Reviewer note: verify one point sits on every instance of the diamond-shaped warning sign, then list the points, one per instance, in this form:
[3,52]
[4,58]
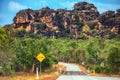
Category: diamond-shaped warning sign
[40,57]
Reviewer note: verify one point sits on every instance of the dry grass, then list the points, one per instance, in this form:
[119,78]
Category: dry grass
[91,73]
[30,77]
[51,74]
[101,74]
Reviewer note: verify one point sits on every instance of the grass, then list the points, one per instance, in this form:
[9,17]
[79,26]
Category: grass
[49,74]
[91,73]
[30,77]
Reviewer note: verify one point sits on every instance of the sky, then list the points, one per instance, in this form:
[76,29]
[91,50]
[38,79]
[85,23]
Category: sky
[9,8]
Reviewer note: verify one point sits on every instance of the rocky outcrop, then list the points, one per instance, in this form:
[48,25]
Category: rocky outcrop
[24,16]
[111,20]
[24,19]
[86,11]
[62,22]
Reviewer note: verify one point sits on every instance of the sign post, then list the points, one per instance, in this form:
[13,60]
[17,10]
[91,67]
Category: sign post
[37,77]
[40,57]
[40,68]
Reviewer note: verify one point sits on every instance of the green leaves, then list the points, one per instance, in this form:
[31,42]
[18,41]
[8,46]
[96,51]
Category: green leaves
[26,51]
[21,52]
[3,35]
[114,59]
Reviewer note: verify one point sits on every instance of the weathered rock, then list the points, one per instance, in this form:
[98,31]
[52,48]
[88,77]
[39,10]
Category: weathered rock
[111,20]
[53,23]
[104,17]
[24,16]
[87,11]
[84,6]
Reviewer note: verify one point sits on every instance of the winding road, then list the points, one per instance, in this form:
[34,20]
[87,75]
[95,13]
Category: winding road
[74,73]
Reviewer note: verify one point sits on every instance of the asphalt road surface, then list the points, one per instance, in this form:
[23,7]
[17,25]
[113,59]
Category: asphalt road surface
[74,73]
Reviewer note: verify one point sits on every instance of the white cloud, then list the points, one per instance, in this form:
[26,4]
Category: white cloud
[68,4]
[15,6]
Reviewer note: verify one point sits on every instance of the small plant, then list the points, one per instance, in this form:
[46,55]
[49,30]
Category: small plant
[1,70]
[89,67]
[98,69]
[107,70]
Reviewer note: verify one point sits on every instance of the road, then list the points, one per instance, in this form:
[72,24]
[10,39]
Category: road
[73,68]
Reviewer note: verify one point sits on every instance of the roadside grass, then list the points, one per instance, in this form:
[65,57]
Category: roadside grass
[49,74]
[91,73]
[44,76]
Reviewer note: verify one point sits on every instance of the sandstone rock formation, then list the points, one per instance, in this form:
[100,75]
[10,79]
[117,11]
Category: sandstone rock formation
[111,20]
[62,22]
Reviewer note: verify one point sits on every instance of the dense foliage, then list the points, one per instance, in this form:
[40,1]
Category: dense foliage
[18,54]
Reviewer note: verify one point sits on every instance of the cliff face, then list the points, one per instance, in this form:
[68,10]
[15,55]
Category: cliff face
[59,22]
[86,11]
[24,19]
[111,20]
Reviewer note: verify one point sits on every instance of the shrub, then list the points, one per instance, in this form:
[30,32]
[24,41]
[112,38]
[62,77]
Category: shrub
[84,36]
[7,70]
[98,69]
[106,70]
[89,67]
[90,60]
[1,70]
[114,59]
[26,51]
[6,61]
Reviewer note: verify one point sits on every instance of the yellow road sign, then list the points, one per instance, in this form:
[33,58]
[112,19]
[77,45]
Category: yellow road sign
[40,57]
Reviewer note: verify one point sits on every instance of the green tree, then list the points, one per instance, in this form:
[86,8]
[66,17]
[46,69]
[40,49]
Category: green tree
[6,54]
[93,50]
[114,59]
[21,33]
[3,35]
[6,62]
[26,51]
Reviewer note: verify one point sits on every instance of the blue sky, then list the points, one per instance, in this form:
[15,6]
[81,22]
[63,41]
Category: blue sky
[9,8]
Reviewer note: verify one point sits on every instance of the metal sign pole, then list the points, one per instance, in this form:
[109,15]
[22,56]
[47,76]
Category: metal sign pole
[40,68]
[37,77]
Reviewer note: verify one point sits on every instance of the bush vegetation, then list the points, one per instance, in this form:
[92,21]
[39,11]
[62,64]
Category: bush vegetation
[18,54]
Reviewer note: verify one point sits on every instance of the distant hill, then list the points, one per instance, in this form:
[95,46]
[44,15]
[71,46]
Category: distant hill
[83,20]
